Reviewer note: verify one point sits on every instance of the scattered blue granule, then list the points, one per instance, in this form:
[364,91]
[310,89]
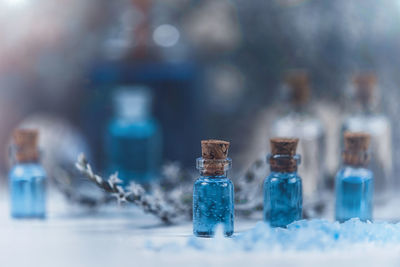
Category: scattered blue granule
[304,235]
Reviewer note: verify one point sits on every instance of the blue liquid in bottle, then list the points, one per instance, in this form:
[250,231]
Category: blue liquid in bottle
[354,191]
[282,198]
[213,203]
[134,138]
[28,191]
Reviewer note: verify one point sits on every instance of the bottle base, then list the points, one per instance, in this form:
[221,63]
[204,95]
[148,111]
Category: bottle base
[342,220]
[211,234]
[29,216]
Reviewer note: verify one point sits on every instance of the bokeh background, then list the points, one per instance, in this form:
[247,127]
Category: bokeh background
[215,67]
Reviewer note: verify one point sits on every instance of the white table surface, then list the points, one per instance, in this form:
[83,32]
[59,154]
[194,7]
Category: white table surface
[113,236]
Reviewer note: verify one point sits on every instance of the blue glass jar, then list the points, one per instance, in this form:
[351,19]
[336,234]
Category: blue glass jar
[134,137]
[354,191]
[27,178]
[213,201]
[365,115]
[28,190]
[283,199]
[354,181]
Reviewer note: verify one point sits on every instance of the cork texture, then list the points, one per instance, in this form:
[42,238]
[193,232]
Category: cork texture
[356,147]
[25,142]
[286,149]
[299,84]
[214,152]
[214,149]
[365,84]
[284,146]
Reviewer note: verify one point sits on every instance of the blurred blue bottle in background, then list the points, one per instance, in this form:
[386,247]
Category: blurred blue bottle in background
[27,178]
[354,182]
[133,143]
[283,198]
[365,117]
[213,196]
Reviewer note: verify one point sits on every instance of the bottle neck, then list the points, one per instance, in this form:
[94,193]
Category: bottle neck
[221,175]
[24,154]
[133,112]
[132,104]
[355,158]
[283,163]
[214,168]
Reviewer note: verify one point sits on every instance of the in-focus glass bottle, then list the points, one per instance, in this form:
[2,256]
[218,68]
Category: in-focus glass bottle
[354,181]
[27,178]
[299,121]
[283,200]
[213,196]
[365,117]
[133,144]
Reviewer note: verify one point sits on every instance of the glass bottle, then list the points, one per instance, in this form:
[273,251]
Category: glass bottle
[213,196]
[365,117]
[283,187]
[134,137]
[298,120]
[27,178]
[354,181]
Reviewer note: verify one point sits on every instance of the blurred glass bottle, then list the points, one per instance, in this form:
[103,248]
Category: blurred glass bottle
[365,117]
[134,137]
[354,181]
[213,196]
[299,121]
[27,177]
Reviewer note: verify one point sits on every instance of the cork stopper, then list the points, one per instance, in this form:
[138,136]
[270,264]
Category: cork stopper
[298,82]
[356,148]
[364,84]
[25,143]
[214,156]
[283,152]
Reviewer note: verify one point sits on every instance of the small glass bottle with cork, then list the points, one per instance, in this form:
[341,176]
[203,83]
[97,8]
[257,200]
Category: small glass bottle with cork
[283,200]
[354,181]
[133,143]
[27,178]
[213,196]
[298,120]
[365,116]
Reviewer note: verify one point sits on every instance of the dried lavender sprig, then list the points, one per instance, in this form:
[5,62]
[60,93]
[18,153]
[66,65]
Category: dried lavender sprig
[135,193]
[62,181]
